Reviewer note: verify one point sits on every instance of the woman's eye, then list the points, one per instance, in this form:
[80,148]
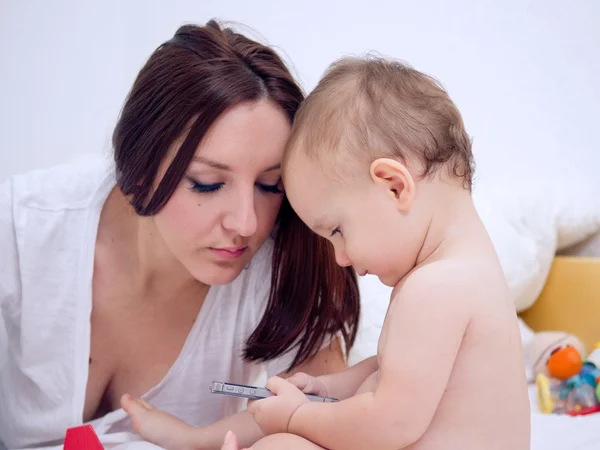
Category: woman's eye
[336,230]
[271,188]
[214,187]
[205,188]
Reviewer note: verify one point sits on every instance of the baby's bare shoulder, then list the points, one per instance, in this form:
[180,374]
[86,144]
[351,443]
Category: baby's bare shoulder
[451,279]
[445,273]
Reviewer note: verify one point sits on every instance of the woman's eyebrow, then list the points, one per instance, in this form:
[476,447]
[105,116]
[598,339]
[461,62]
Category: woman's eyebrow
[211,163]
[221,166]
[272,168]
[320,223]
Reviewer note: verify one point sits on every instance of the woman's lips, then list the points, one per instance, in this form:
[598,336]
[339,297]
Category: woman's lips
[229,253]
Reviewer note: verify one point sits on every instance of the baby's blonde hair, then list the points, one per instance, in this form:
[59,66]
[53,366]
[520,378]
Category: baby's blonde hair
[375,107]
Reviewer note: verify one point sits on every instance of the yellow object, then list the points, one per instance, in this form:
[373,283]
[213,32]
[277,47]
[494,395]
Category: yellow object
[570,300]
[543,391]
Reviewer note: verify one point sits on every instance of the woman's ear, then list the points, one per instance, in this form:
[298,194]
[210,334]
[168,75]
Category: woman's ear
[396,179]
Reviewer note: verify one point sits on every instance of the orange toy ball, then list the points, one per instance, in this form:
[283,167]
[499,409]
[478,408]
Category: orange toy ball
[565,363]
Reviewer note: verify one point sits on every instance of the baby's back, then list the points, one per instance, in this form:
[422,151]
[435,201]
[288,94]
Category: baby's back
[485,404]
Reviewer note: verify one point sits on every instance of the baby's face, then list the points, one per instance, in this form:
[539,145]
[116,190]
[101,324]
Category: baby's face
[357,216]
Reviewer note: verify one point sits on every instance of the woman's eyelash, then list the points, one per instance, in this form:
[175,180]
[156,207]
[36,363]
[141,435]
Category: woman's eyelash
[271,188]
[205,188]
[336,230]
[214,187]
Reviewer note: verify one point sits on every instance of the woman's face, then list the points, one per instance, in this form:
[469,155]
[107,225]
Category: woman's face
[228,200]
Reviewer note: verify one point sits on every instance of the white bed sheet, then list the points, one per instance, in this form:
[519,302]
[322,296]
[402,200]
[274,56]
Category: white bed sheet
[548,432]
[554,432]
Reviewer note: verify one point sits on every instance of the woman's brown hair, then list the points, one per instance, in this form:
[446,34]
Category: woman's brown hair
[192,79]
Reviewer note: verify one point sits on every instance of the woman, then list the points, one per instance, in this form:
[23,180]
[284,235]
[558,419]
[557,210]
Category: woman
[179,264]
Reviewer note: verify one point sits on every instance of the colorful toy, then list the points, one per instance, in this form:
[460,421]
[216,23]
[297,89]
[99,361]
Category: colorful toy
[545,343]
[82,438]
[566,383]
[549,395]
[590,373]
[594,358]
[580,397]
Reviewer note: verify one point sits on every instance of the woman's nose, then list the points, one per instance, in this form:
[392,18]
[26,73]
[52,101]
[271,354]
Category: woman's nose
[242,217]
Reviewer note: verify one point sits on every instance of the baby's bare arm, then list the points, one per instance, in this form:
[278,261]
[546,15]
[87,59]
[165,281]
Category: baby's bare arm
[426,329]
[344,384]
[167,431]
[327,360]
[341,385]
[423,332]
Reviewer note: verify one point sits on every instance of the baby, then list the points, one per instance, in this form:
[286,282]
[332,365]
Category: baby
[379,163]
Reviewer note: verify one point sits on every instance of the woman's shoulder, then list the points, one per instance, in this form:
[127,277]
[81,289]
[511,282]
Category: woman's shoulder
[66,186]
[45,212]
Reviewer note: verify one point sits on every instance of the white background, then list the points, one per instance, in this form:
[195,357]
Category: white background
[524,73]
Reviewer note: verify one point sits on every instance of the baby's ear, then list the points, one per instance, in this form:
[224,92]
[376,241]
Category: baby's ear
[396,179]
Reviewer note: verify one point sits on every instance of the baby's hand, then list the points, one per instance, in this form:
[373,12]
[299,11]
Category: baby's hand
[273,414]
[309,384]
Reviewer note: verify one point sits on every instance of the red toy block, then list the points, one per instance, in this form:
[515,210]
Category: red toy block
[82,438]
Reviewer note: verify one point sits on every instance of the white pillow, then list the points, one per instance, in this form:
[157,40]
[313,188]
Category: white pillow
[527,223]
[589,248]
[523,232]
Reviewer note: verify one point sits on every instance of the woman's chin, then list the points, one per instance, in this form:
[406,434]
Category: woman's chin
[217,274]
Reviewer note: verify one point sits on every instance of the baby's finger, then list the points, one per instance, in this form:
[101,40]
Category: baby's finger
[230,442]
[301,380]
[145,403]
[253,406]
[279,386]
[133,405]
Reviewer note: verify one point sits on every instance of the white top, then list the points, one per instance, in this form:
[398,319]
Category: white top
[48,226]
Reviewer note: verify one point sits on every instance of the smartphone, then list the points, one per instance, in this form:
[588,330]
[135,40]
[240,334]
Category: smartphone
[255,392]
